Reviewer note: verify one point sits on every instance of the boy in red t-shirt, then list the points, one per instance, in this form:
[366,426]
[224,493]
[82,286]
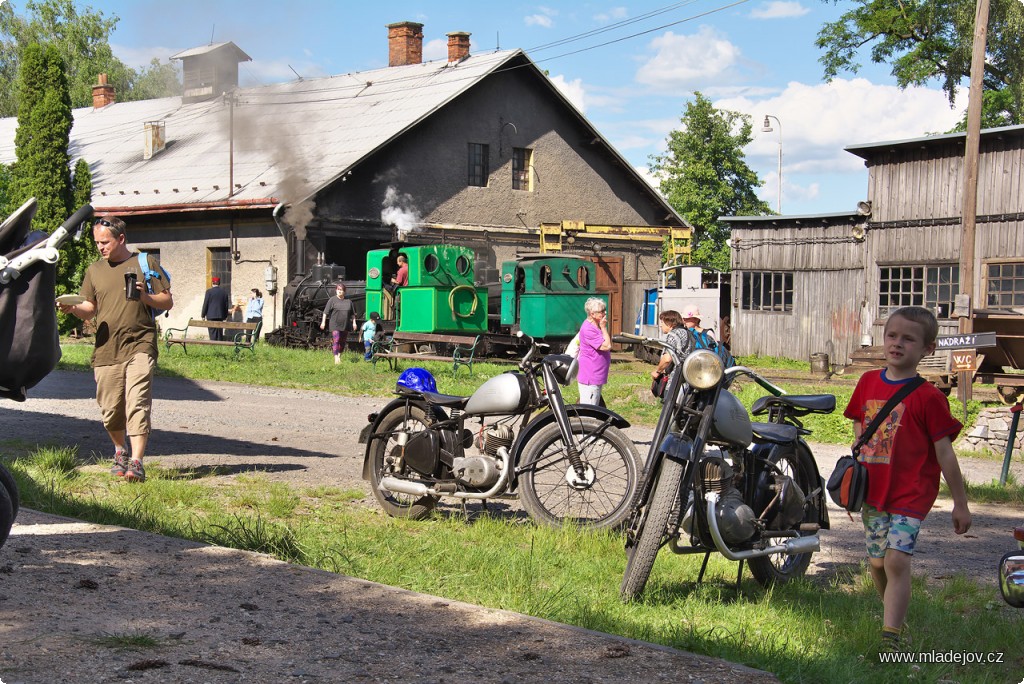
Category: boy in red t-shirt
[904,458]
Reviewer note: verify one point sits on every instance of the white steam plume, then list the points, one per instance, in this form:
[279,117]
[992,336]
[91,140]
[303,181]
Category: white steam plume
[399,212]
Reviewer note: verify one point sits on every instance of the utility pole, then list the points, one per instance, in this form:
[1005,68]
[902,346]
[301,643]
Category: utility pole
[970,196]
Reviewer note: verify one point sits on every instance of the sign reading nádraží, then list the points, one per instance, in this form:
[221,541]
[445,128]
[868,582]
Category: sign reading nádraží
[966,341]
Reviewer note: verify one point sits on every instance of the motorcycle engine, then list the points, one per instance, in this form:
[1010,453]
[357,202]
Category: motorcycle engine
[493,438]
[477,471]
[736,520]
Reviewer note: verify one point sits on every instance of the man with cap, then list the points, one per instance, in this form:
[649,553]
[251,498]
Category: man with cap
[215,307]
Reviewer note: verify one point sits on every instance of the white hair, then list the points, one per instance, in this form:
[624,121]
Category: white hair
[594,304]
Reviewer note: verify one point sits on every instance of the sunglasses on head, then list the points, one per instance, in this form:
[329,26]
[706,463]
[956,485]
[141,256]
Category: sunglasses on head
[104,222]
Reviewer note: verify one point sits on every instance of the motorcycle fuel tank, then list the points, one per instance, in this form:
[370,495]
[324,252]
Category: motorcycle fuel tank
[731,421]
[501,395]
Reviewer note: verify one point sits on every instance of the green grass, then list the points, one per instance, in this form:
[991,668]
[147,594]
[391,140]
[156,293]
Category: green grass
[823,630]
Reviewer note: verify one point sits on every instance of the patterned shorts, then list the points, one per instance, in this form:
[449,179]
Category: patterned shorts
[885,531]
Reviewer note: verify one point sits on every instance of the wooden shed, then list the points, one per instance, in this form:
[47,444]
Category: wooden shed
[825,284]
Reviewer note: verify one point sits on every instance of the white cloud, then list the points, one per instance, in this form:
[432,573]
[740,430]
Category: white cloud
[614,14]
[652,180]
[819,120]
[545,18]
[778,9]
[683,62]
[573,90]
[436,49]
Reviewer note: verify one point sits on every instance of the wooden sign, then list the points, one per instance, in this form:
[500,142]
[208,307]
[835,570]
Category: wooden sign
[966,341]
[963,361]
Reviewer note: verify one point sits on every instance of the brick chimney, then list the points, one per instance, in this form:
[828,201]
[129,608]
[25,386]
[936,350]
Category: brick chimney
[405,43]
[458,46]
[102,93]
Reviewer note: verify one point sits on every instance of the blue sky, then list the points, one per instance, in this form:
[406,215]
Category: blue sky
[632,81]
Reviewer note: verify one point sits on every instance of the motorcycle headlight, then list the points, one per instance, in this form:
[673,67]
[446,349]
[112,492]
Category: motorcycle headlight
[702,369]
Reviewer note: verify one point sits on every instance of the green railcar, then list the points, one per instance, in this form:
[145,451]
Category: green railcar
[544,296]
[441,295]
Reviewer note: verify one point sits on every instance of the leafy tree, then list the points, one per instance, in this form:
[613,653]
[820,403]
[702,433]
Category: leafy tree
[82,38]
[42,166]
[76,255]
[704,175]
[933,40]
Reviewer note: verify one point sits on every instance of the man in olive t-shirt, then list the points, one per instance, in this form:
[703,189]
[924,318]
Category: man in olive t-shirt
[125,354]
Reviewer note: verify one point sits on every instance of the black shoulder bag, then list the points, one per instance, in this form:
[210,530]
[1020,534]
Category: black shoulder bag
[848,484]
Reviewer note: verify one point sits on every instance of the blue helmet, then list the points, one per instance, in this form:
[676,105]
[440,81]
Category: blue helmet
[417,379]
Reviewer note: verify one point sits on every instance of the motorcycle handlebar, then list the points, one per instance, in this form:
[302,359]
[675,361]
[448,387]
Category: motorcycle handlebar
[767,385]
[629,338]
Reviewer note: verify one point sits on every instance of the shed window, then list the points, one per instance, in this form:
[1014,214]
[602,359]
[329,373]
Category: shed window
[479,166]
[1004,285]
[220,267]
[522,168]
[767,291]
[932,287]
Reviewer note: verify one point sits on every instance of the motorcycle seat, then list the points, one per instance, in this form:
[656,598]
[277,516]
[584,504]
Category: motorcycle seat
[775,433]
[805,403]
[445,400]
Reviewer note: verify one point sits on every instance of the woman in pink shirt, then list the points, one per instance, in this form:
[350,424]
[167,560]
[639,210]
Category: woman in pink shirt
[595,351]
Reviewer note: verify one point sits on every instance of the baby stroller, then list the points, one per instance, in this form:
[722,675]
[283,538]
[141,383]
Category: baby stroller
[29,344]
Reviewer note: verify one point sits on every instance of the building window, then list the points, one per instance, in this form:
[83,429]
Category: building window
[220,266]
[767,291]
[932,287]
[522,168]
[1004,287]
[479,168]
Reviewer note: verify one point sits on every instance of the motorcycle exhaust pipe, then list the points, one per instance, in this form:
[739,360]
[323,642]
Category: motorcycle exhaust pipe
[394,484]
[791,547]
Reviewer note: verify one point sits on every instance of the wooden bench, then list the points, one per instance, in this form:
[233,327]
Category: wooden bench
[463,351]
[238,341]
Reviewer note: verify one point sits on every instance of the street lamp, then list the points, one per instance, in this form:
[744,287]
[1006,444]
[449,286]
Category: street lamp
[767,128]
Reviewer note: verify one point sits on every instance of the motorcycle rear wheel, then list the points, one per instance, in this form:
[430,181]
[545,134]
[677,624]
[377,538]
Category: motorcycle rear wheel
[640,559]
[611,460]
[8,482]
[6,514]
[395,504]
[780,568]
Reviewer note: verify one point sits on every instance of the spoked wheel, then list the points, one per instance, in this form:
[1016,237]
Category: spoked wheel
[640,558]
[385,458]
[780,568]
[553,492]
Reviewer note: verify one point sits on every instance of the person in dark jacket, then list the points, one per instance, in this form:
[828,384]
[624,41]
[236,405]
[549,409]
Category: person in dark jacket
[216,307]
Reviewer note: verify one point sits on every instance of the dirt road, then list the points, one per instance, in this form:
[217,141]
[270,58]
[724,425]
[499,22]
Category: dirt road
[310,438]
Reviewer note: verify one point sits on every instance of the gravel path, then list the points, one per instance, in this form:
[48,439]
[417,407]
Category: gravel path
[269,621]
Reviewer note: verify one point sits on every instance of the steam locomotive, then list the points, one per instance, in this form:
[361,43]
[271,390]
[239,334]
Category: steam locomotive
[450,291]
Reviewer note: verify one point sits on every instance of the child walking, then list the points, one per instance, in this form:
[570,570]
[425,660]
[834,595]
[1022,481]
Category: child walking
[904,458]
[369,333]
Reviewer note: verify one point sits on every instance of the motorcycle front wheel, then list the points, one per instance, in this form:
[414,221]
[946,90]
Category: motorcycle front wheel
[640,558]
[780,568]
[551,491]
[385,461]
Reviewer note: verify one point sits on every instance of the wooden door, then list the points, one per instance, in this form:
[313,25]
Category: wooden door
[609,282]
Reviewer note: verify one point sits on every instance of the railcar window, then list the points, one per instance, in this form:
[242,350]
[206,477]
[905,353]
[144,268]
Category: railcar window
[479,164]
[430,263]
[767,291]
[931,286]
[583,277]
[462,265]
[522,168]
[545,276]
[1004,285]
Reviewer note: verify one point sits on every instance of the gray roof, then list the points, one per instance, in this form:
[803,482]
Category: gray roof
[869,150]
[290,139]
[214,47]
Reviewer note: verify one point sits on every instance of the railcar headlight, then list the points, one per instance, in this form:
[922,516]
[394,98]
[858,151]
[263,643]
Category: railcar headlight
[702,369]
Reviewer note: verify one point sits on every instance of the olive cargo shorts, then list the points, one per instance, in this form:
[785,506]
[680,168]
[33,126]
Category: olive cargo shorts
[124,392]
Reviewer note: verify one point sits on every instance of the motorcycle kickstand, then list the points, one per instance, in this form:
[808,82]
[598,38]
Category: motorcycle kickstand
[739,576]
[703,567]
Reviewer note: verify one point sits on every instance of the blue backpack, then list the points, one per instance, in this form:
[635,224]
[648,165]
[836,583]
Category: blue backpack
[149,275]
[702,340]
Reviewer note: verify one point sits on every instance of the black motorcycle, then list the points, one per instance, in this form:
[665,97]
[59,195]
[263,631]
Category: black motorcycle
[714,481]
[567,462]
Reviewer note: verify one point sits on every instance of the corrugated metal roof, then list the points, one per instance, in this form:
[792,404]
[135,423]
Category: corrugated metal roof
[289,139]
